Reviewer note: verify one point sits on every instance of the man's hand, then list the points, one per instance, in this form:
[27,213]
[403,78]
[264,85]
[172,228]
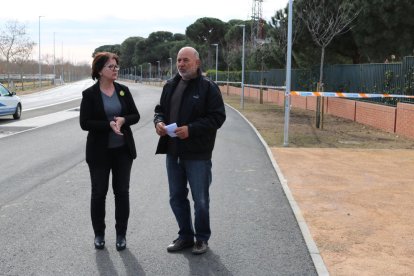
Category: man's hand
[182,132]
[160,129]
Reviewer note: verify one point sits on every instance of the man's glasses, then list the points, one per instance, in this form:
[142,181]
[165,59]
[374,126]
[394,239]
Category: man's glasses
[113,67]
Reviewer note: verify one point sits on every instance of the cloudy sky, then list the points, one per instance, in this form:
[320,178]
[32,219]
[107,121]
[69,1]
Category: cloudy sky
[73,29]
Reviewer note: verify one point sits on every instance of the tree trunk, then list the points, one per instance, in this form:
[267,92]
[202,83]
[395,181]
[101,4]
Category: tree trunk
[8,72]
[261,83]
[321,67]
[319,89]
[21,79]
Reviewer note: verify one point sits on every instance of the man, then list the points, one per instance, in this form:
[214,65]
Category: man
[194,103]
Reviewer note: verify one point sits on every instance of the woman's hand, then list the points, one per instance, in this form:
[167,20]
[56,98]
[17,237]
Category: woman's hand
[120,121]
[115,127]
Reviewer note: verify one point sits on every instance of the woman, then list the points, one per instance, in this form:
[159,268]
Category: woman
[107,111]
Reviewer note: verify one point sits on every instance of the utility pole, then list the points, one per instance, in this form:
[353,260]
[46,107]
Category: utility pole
[288,72]
[216,44]
[242,80]
[54,59]
[40,65]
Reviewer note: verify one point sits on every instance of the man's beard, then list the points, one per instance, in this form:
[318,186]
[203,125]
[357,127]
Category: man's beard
[189,74]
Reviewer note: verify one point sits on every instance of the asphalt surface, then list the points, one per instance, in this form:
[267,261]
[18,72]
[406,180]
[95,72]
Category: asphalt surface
[45,226]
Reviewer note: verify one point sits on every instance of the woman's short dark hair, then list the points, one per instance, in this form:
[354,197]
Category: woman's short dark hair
[99,61]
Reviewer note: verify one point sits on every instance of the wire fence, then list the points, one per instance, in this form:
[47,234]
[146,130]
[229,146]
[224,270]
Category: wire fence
[377,78]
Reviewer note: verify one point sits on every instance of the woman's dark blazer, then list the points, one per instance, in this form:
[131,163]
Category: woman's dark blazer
[94,120]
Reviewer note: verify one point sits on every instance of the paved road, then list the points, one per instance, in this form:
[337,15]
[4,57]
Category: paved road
[45,227]
[58,94]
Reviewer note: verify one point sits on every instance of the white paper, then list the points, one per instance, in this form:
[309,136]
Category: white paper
[170,129]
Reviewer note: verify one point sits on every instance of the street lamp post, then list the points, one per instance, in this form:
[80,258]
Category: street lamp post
[216,44]
[54,58]
[171,66]
[159,75]
[62,76]
[40,66]
[242,80]
[288,72]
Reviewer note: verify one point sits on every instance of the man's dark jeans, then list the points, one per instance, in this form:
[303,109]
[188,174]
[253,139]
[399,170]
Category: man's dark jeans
[197,173]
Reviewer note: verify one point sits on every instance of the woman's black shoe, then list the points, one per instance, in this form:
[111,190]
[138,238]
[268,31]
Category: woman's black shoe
[120,242]
[99,242]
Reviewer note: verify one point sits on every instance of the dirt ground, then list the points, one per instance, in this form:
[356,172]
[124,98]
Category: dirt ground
[357,204]
[353,185]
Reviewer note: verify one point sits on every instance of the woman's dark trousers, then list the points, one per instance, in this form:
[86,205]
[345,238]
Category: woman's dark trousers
[120,163]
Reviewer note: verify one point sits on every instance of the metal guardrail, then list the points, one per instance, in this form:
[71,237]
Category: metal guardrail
[253,85]
[26,77]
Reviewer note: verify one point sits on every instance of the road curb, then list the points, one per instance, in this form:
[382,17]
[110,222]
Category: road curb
[310,243]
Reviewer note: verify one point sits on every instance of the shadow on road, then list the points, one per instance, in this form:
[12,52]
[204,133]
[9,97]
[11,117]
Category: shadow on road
[206,264]
[131,263]
[104,263]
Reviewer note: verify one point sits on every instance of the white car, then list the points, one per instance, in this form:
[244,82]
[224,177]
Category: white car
[10,104]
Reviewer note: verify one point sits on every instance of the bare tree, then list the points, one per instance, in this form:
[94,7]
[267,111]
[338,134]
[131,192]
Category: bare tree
[48,59]
[13,42]
[22,57]
[326,19]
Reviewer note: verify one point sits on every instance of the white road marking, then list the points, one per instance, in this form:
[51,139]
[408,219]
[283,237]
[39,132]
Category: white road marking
[40,121]
[43,106]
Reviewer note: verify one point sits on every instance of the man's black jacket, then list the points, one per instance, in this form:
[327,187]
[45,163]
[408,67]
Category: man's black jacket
[202,110]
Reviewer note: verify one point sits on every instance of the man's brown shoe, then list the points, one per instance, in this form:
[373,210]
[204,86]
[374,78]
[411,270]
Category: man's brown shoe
[179,244]
[200,247]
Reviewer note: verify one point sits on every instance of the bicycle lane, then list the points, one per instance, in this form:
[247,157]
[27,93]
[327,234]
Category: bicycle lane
[264,203]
